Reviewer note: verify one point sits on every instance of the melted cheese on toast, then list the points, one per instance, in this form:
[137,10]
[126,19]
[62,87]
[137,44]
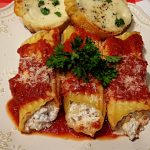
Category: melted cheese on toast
[105,14]
[35,19]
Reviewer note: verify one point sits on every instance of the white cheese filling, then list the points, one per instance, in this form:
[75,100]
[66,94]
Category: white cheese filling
[104,14]
[133,125]
[35,17]
[81,115]
[42,118]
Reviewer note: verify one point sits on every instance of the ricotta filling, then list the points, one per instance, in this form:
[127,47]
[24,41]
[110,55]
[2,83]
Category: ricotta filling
[35,17]
[81,115]
[42,118]
[132,125]
[104,14]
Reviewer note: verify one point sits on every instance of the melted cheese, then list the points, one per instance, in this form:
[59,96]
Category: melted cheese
[133,124]
[104,14]
[36,18]
[42,118]
[82,117]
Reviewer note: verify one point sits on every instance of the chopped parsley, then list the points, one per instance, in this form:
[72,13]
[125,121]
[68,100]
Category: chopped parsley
[84,60]
[41,3]
[45,11]
[119,22]
[55,2]
[58,13]
[108,1]
[113,59]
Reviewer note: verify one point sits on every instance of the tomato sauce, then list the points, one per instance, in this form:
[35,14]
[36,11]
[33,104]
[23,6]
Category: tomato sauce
[60,129]
[13,110]
[82,34]
[56,37]
[85,34]
[75,85]
[130,83]
[32,80]
[25,92]
[133,45]
[41,49]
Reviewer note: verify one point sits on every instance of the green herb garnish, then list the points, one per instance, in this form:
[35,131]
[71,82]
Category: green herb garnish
[84,60]
[58,13]
[108,1]
[55,2]
[45,11]
[113,59]
[119,22]
[41,3]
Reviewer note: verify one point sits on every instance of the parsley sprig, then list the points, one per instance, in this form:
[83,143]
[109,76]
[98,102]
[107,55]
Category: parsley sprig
[84,60]
[45,11]
[55,2]
[57,13]
[119,22]
[108,1]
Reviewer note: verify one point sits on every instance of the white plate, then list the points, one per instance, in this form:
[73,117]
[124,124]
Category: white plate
[12,34]
[145,5]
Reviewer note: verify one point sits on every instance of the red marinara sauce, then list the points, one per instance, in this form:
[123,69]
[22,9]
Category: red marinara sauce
[130,83]
[133,45]
[32,80]
[82,34]
[60,129]
[75,85]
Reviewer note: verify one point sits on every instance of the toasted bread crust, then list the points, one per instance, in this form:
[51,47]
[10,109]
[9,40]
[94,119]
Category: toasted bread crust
[79,18]
[18,7]
[34,29]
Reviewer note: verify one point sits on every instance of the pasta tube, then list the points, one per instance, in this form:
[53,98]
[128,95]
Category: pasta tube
[84,105]
[36,87]
[128,97]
